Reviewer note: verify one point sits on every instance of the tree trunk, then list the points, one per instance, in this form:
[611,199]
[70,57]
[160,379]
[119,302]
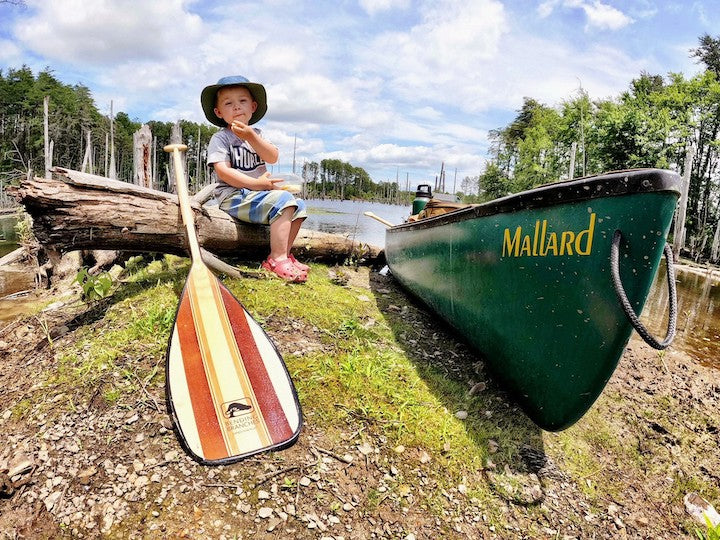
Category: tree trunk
[680,230]
[74,211]
[142,141]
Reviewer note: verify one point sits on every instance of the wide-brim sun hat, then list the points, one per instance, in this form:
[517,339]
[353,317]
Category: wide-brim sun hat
[208,97]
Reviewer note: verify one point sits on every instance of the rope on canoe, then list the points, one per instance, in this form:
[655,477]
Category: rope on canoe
[627,307]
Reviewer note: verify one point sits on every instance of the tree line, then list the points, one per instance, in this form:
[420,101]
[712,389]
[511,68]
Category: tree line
[657,122]
[336,179]
[73,116]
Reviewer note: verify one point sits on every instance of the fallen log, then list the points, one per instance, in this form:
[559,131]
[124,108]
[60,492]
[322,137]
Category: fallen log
[79,211]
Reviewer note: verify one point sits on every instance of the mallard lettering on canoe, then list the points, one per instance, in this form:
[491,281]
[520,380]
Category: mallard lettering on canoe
[540,242]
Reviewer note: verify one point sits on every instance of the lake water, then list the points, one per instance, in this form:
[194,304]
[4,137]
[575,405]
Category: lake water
[8,237]
[698,327]
[698,320]
[346,218]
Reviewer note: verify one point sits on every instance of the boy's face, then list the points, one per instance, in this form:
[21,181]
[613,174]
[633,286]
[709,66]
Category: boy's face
[235,103]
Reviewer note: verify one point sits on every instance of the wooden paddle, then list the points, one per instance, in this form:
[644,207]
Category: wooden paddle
[228,391]
[378,218]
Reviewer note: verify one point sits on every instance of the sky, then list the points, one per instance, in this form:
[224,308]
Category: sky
[398,87]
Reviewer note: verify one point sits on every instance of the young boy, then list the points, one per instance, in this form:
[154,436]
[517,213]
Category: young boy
[246,191]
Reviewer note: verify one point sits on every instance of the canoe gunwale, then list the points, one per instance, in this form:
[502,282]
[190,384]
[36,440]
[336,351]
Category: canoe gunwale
[569,191]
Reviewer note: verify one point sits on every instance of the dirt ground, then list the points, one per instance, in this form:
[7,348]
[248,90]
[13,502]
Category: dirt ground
[89,470]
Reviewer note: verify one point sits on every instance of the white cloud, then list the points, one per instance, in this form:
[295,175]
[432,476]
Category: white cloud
[604,16]
[76,31]
[313,98]
[598,14]
[546,8]
[10,53]
[437,57]
[373,7]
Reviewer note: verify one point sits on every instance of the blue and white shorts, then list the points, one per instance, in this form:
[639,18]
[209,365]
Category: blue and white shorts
[262,207]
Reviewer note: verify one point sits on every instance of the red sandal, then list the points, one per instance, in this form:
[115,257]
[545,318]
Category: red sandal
[300,266]
[284,269]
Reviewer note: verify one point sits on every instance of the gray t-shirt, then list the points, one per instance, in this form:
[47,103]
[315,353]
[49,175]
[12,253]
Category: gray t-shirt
[228,147]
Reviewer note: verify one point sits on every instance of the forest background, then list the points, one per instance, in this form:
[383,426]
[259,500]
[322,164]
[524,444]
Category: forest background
[659,121]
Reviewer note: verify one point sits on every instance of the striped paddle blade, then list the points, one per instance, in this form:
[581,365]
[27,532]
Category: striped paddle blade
[228,390]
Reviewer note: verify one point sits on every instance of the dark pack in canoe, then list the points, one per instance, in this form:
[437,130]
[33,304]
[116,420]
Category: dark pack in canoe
[527,279]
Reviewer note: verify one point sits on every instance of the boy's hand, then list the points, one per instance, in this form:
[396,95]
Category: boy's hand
[242,130]
[267,183]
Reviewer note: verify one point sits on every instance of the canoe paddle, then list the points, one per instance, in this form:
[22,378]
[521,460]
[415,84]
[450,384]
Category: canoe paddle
[228,390]
[378,218]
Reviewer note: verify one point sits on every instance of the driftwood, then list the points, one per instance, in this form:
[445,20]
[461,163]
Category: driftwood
[77,211]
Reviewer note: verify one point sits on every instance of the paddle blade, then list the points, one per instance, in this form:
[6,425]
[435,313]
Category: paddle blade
[228,390]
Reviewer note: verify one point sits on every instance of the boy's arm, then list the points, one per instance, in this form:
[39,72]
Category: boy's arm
[239,179]
[266,150]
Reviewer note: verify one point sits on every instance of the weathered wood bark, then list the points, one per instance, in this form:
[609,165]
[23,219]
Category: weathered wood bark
[74,210]
[142,146]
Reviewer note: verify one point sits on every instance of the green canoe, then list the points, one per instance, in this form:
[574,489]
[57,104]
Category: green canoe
[527,280]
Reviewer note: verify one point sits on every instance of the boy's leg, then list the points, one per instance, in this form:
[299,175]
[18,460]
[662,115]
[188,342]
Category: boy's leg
[294,230]
[280,231]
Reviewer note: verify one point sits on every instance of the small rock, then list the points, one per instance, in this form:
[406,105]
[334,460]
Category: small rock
[461,415]
[72,447]
[305,481]
[399,449]
[141,481]
[265,512]
[263,495]
[365,449]
[134,418]
[244,508]
[52,499]
[698,508]
[273,523]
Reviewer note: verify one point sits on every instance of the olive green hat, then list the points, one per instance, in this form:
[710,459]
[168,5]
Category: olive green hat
[208,98]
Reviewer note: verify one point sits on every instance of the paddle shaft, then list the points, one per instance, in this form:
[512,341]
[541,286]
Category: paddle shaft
[378,218]
[185,210]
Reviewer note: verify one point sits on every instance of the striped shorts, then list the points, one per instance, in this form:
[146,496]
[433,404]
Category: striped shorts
[262,207]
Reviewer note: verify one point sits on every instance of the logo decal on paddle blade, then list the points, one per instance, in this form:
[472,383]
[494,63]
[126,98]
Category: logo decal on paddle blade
[236,408]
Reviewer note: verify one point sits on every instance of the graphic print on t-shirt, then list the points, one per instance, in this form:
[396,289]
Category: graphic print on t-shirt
[244,159]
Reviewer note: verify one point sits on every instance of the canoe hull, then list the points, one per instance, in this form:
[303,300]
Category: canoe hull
[527,281]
